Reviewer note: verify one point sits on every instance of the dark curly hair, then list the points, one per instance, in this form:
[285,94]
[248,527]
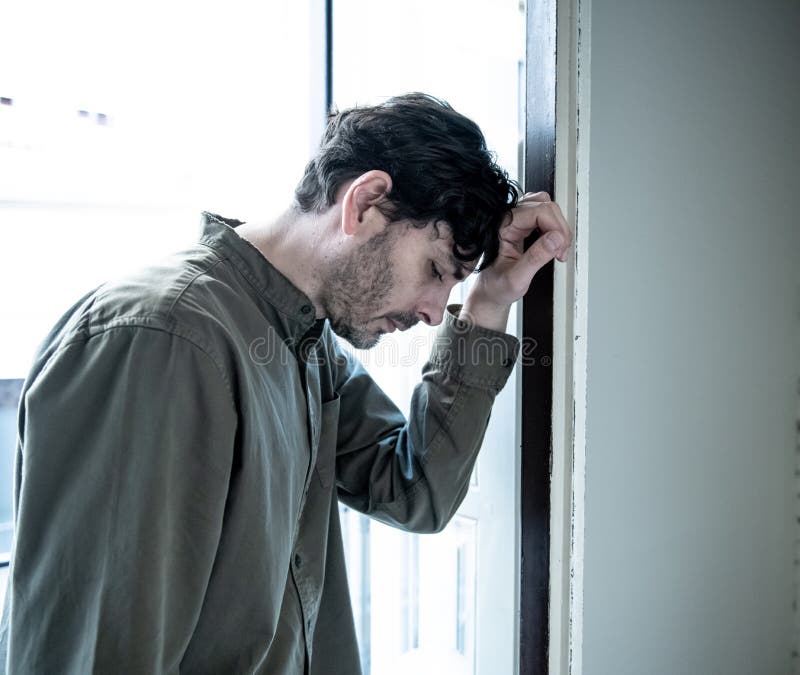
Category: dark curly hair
[440,167]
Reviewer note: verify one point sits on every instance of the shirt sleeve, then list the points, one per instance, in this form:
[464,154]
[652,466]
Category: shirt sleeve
[415,473]
[123,468]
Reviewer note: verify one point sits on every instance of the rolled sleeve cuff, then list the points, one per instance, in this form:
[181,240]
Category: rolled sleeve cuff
[472,354]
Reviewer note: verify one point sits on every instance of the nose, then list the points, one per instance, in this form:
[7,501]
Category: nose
[432,318]
[431,308]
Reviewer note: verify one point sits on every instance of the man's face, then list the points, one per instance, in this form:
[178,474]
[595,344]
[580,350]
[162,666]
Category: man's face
[398,277]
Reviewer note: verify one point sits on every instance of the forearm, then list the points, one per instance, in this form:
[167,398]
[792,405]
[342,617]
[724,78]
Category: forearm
[417,474]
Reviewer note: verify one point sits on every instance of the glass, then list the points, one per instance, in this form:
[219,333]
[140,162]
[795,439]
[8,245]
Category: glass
[420,603]
[109,150]
[119,124]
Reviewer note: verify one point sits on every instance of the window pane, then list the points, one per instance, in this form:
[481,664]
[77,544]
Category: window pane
[109,151]
[119,124]
[454,592]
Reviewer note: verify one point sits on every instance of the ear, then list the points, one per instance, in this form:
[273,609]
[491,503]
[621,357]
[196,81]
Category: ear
[363,194]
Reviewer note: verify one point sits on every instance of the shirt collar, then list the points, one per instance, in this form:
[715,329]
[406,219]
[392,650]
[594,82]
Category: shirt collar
[296,310]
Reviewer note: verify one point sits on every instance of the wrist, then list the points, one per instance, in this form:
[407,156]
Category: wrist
[485,314]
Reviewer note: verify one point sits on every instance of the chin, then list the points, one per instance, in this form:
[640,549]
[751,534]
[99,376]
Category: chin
[369,340]
[359,338]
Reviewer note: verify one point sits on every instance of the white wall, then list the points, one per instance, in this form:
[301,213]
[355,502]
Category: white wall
[693,337]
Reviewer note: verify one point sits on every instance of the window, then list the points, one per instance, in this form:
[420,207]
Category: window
[442,603]
[119,124]
[108,153]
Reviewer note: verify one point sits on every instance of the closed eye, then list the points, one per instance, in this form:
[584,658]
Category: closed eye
[435,271]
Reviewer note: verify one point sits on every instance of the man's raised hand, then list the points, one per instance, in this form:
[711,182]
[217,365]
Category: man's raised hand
[510,275]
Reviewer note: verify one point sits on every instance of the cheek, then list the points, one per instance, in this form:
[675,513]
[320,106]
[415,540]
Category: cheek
[409,289]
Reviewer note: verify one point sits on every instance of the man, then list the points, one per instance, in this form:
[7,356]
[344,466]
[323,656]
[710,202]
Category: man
[186,431]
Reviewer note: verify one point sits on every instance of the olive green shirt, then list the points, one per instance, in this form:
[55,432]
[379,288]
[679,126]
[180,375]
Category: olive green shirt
[184,436]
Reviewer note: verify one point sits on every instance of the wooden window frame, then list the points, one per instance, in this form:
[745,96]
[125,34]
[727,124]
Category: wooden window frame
[537,335]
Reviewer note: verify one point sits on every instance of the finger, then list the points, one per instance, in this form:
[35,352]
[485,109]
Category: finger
[549,218]
[541,252]
[565,230]
[536,211]
[535,197]
[544,216]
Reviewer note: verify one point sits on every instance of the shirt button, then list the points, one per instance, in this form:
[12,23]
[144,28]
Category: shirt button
[305,309]
[298,561]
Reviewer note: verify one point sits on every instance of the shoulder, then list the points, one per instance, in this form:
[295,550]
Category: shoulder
[152,294]
[175,296]
[158,296]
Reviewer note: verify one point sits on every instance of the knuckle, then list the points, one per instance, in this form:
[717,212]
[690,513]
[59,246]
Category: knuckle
[540,196]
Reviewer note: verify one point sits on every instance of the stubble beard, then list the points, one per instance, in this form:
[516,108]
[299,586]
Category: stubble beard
[355,290]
